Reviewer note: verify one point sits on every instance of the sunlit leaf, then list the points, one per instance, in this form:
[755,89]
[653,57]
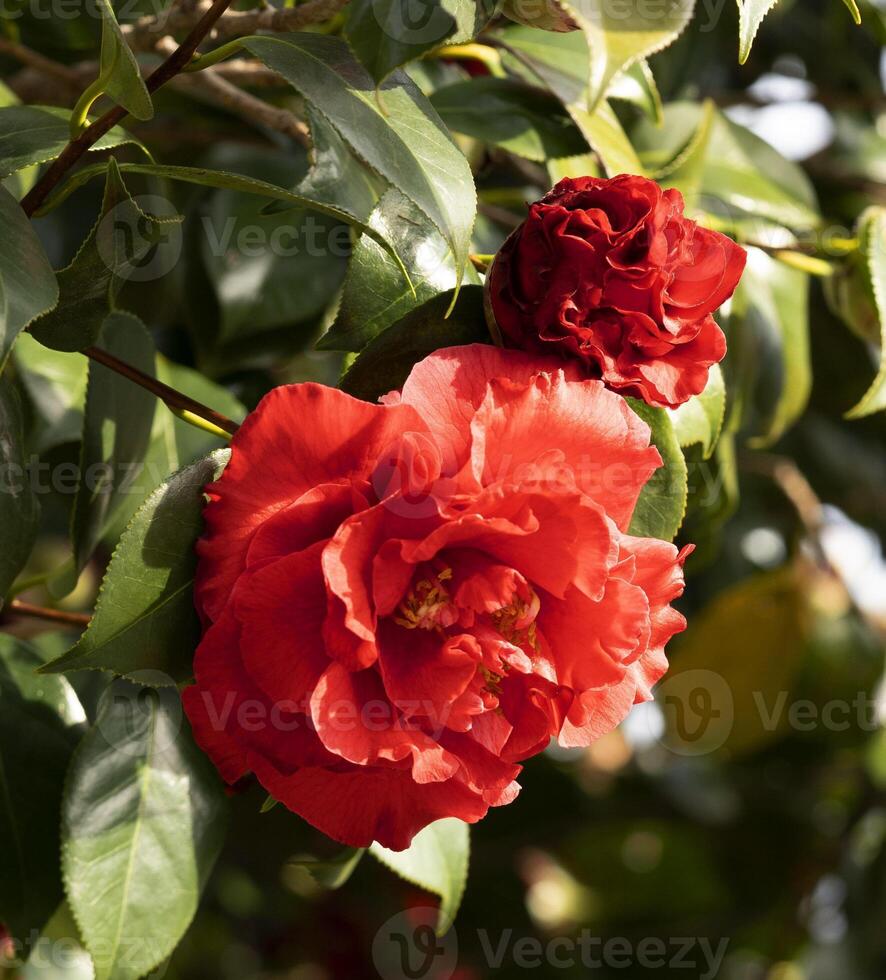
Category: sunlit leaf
[398,135]
[699,420]
[119,68]
[145,618]
[142,825]
[436,860]
[662,503]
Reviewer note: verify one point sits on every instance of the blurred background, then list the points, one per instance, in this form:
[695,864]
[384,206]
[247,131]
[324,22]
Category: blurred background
[747,804]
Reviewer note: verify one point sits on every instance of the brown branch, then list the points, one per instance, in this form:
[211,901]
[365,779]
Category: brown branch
[174,400]
[32,85]
[280,19]
[219,91]
[33,59]
[145,33]
[78,146]
[19,608]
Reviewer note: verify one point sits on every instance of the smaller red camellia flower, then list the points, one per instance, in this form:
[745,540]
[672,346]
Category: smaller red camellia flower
[611,273]
[405,600]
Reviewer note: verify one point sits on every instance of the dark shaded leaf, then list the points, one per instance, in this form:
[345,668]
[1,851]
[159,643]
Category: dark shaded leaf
[124,243]
[19,507]
[385,34]
[37,735]
[520,118]
[386,362]
[767,367]
[27,281]
[117,421]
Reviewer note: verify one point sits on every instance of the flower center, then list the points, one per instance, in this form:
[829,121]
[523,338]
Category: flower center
[516,621]
[427,605]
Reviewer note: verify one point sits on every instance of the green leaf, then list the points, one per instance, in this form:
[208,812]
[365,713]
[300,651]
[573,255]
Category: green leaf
[142,825]
[386,362]
[405,142]
[872,247]
[436,860]
[583,166]
[751,14]
[122,244]
[35,134]
[713,498]
[19,507]
[333,872]
[37,735]
[519,118]
[852,7]
[619,36]
[767,368]
[741,174]
[119,68]
[269,270]
[386,34]
[117,422]
[320,191]
[27,281]
[750,17]
[145,619]
[560,63]
[687,170]
[662,504]
[174,442]
[604,133]
[56,386]
[637,86]
[59,933]
[700,420]
[338,177]
[376,294]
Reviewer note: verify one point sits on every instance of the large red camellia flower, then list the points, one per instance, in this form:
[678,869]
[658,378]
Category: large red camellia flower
[611,273]
[404,600]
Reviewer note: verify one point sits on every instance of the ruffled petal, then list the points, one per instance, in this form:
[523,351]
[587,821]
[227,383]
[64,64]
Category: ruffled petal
[299,437]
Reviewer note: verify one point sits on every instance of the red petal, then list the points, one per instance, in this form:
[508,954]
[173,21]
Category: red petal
[299,437]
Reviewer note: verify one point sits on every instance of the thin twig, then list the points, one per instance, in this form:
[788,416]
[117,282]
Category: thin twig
[249,108]
[78,146]
[32,85]
[174,400]
[500,215]
[219,91]
[19,608]
[145,33]
[33,59]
